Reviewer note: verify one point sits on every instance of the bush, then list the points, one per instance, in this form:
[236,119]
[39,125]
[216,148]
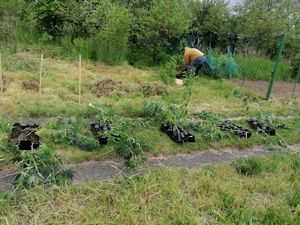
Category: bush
[156,30]
[248,166]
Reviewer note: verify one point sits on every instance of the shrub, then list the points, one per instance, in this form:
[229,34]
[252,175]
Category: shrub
[248,166]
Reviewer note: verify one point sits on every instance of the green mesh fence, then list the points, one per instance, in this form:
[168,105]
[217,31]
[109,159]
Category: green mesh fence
[225,65]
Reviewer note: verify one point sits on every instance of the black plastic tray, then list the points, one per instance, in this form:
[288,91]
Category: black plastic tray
[227,125]
[261,126]
[99,131]
[179,135]
[24,136]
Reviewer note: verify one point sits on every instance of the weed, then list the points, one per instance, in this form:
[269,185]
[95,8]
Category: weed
[168,72]
[183,221]
[274,216]
[40,167]
[72,136]
[207,125]
[293,197]
[248,166]
[131,148]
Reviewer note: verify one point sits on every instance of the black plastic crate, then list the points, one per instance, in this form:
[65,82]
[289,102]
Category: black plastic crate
[262,127]
[227,125]
[99,131]
[179,135]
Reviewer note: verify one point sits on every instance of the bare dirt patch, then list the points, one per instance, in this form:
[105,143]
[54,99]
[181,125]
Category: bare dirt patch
[105,86]
[30,85]
[280,88]
[152,89]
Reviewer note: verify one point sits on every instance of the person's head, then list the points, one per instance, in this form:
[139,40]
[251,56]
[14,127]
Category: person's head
[183,50]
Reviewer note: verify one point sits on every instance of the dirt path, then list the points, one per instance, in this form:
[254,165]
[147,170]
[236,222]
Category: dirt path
[280,88]
[107,170]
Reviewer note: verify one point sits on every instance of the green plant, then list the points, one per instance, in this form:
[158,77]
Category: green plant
[131,148]
[248,166]
[40,167]
[72,136]
[207,124]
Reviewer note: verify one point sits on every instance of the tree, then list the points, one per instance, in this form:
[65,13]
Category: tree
[210,21]
[154,27]
[264,17]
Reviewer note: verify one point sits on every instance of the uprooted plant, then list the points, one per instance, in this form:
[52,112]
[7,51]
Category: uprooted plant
[40,167]
[121,132]
[171,114]
[71,136]
[207,124]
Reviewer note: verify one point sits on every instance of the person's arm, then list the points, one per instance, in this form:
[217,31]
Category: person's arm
[186,58]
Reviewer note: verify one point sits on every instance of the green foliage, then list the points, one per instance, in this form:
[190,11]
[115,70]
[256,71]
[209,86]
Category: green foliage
[72,136]
[132,149]
[263,17]
[210,20]
[127,145]
[40,167]
[207,124]
[260,68]
[293,198]
[49,16]
[175,115]
[20,62]
[168,71]
[248,166]
[153,29]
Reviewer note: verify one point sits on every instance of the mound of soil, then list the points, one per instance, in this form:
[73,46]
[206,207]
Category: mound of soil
[152,89]
[105,86]
[30,85]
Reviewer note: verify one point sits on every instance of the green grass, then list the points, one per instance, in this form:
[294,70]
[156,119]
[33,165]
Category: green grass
[59,99]
[208,195]
[260,68]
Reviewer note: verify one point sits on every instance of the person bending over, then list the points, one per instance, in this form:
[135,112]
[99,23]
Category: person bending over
[194,58]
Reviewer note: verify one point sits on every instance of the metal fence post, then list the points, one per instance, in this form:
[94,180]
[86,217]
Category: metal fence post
[276,65]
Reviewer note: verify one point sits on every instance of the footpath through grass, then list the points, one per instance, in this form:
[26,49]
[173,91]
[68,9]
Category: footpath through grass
[254,191]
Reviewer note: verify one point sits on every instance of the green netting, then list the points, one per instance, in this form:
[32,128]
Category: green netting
[225,65]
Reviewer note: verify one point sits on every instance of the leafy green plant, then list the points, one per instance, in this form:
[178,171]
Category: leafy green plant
[131,148]
[207,124]
[248,166]
[72,136]
[40,167]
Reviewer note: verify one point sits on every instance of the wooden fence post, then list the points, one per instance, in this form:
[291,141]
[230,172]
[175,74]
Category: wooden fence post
[41,73]
[79,91]
[1,75]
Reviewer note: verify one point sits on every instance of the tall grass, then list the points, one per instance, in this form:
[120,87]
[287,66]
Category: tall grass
[210,195]
[260,68]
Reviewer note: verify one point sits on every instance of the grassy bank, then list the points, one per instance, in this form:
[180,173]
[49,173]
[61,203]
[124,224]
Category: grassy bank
[210,195]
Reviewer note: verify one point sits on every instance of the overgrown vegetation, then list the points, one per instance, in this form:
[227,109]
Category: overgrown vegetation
[146,32]
[248,166]
[121,132]
[209,195]
[40,168]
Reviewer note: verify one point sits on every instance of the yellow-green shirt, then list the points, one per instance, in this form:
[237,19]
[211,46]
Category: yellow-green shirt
[191,54]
